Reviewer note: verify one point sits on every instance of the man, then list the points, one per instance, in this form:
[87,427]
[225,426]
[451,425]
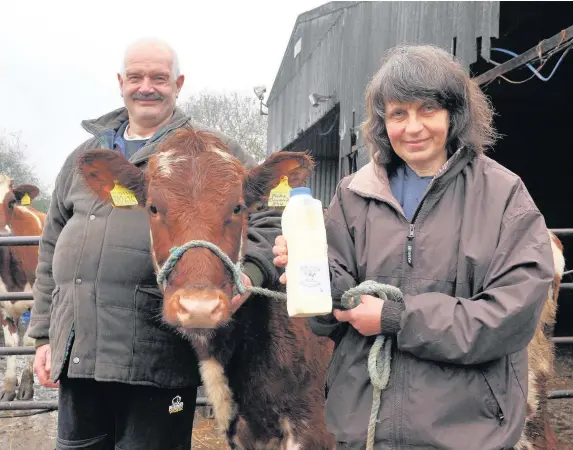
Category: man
[125,381]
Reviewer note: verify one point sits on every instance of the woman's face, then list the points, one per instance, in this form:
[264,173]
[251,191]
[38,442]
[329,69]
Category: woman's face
[418,133]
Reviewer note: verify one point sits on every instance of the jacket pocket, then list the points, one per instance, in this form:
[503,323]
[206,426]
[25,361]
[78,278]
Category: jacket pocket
[519,368]
[493,399]
[160,354]
[149,325]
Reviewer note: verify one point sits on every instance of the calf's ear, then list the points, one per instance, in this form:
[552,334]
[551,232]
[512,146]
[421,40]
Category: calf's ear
[297,166]
[24,189]
[102,169]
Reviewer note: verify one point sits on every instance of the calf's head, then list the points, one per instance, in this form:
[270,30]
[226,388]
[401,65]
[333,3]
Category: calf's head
[11,197]
[194,189]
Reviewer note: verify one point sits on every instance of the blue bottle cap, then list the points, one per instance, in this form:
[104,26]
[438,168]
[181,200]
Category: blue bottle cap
[300,191]
[25,317]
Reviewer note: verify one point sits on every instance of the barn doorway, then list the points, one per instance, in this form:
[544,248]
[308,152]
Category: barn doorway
[322,142]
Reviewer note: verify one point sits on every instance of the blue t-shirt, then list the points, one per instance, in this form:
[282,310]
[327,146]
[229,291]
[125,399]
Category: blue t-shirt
[408,188]
[127,147]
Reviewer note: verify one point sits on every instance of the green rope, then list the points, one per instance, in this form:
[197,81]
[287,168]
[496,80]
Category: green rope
[380,355]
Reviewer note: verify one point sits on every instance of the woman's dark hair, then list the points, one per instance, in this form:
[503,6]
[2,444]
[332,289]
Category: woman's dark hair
[422,73]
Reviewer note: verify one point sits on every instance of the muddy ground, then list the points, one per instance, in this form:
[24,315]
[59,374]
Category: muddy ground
[38,432]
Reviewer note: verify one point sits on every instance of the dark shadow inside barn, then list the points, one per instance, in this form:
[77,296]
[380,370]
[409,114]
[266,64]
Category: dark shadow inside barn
[536,119]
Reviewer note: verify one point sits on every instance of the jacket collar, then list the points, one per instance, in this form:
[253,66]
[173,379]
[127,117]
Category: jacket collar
[105,127]
[371,181]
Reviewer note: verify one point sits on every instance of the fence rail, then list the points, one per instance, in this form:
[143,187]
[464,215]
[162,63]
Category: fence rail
[12,241]
[8,351]
[15,296]
[563,232]
[28,404]
[53,404]
[201,401]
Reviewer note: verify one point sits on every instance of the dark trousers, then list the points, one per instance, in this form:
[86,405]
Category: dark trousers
[114,416]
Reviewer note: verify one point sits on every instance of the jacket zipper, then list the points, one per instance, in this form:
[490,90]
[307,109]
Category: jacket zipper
[410,245]
[400,366]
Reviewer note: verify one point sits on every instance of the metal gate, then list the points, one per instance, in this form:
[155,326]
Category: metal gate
[201,401]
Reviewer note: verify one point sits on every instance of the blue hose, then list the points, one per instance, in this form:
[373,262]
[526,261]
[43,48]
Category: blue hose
[533,69]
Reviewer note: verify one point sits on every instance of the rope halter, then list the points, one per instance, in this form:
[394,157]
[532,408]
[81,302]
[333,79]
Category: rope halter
[236,269]
[176,253]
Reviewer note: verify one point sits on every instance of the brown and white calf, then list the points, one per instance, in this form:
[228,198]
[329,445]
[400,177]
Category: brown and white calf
[17,274]
[538,434]
[262,371]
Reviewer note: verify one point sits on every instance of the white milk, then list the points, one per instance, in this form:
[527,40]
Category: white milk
[308,280]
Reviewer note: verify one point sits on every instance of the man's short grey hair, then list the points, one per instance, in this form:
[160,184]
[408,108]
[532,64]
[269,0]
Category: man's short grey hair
[426,73]
[175,68]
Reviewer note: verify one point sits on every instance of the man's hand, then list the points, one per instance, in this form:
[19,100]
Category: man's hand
[43,366]
[239,299]
[366,317]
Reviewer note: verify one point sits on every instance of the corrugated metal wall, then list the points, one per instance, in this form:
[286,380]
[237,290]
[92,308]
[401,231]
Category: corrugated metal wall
[322,143]
[341,44]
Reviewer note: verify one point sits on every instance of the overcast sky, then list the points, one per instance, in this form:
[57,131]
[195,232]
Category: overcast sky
[58,61]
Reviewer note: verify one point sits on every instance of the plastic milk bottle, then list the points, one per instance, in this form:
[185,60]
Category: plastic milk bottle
[308,279]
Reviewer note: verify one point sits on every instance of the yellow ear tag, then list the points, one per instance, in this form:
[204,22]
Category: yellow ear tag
[279,195]
[25,199]
[121,196]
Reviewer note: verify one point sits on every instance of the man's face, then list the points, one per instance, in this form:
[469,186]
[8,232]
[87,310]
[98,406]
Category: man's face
[148,86]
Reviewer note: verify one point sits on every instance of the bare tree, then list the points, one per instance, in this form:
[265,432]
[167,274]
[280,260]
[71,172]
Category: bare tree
[14,163]
[235,115]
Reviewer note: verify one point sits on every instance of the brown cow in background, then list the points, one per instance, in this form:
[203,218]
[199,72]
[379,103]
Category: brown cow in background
[262,371]
[17,274]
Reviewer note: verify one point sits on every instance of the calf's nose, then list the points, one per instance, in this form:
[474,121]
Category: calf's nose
[200,308]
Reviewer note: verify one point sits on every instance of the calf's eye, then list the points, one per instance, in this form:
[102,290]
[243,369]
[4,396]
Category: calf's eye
[238,209]
[153,209]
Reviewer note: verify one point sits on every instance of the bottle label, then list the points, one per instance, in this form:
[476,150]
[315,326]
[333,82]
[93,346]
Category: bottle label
[314,277]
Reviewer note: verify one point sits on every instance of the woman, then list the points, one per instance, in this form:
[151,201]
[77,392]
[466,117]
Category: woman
[462,239]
